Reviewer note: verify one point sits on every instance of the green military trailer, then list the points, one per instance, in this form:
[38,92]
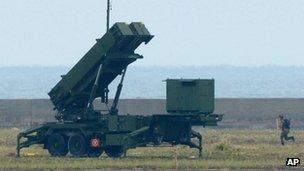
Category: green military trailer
[82,131]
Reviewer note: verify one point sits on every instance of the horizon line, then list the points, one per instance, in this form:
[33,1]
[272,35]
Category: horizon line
[159,66]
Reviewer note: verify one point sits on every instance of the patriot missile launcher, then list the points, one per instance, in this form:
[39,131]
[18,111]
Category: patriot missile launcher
[82,131]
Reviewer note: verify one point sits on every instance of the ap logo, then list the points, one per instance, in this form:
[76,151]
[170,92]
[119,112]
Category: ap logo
[292,161]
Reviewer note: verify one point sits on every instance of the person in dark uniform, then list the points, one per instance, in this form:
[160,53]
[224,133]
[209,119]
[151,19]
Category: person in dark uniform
[284,126]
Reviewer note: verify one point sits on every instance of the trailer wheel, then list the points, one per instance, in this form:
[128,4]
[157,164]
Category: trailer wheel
[158,140]
[78,145]
[57,145]
[114,151]
[95,152]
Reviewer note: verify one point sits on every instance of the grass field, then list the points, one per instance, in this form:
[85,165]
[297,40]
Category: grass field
[225,149]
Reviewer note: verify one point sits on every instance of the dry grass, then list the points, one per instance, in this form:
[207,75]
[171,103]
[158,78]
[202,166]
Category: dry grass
[231,149]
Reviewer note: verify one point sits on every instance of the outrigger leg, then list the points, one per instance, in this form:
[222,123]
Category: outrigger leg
[197,135]
[29,138]
[18,145]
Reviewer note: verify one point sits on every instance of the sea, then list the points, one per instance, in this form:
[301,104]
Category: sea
[148,82]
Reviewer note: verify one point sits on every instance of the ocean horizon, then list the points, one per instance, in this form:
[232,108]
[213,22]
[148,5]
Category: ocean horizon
[22,82]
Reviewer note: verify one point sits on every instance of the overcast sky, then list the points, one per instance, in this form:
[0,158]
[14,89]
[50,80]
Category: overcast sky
[188,32]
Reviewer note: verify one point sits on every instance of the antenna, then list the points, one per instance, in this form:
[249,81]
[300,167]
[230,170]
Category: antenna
[108,14]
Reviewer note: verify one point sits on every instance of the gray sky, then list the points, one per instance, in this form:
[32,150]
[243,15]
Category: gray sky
[189,32]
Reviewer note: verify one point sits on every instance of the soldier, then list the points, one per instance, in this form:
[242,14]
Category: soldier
[284,126]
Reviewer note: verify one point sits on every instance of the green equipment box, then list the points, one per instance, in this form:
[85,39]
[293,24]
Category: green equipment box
[190,96]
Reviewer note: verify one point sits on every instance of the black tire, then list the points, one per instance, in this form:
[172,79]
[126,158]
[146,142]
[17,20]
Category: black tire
[57,145]
[114,151]
[95,152]
[184,136]
[78,145]
[158,140]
